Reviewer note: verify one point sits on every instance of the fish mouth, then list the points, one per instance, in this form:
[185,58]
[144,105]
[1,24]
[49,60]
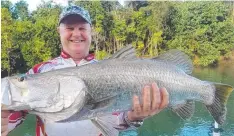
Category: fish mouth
[13,89]
[5,92]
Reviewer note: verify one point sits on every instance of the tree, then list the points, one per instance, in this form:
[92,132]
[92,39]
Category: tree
[6,4]
[136,5]
[201,29]
[41,33]
[20,10]
[8,50]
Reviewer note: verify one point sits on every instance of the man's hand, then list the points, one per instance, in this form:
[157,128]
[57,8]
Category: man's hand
[4,122]
[153,101]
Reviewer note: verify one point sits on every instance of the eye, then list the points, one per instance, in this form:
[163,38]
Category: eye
[82,28]
[21,78]
[70,28]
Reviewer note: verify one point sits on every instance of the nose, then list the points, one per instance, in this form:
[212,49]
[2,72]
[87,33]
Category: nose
[76,32]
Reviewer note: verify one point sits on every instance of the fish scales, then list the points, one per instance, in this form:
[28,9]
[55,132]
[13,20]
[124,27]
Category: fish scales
[90,91]
[117,76]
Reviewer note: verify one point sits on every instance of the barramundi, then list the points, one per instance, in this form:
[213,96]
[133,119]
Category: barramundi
[98,89]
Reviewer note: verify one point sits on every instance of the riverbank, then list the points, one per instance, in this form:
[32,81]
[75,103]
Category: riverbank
[224,66]
[227,61]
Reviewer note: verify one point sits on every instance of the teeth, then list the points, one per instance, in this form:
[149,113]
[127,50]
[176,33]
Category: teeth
[76,41]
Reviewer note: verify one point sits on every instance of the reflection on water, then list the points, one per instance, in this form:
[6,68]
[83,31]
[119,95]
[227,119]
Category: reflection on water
[167,123]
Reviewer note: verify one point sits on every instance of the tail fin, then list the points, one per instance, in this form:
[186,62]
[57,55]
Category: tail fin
[106,128]
[218,108]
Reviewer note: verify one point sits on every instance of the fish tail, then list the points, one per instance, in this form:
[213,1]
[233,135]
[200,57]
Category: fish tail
[218,108]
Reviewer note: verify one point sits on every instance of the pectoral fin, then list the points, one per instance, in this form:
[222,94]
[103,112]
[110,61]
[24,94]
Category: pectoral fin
[100,104]
[105,127]
[185,111]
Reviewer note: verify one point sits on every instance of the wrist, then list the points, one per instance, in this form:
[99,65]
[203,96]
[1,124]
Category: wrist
[130,121]
[129,116]
[132,118]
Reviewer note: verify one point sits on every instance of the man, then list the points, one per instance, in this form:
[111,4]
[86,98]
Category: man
[75,35]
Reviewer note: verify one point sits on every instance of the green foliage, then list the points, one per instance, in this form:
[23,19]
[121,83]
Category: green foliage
[34,51]
[7,48]
[20,10]
[100,55]
[45,27]
[6,4]
[203,30]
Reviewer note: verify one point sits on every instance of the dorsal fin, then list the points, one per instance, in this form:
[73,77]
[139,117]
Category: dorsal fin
[127,52]
[178,58]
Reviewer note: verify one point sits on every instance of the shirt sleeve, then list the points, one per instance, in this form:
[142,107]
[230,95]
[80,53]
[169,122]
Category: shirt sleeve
[15,119]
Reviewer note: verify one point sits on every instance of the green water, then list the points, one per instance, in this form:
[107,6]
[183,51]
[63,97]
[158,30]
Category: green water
[167,123]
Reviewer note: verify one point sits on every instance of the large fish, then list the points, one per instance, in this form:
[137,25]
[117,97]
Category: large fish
[97,89]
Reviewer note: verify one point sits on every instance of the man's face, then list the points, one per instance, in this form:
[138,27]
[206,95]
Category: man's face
[75,36]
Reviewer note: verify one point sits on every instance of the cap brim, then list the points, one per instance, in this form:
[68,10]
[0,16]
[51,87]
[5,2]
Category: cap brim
[64,17]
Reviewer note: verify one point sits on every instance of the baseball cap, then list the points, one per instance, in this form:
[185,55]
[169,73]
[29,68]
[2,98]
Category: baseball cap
[75,10]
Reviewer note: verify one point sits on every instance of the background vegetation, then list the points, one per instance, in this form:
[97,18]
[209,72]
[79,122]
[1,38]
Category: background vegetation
[203,30]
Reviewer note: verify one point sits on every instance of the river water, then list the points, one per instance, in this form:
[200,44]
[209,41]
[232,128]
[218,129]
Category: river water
[166,123]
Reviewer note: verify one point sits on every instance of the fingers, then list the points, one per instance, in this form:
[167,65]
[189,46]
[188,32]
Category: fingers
[165,98]
[5,114]
[4,133]
[156,96]
[152,103]
[4,128]
[4,117]
[4,122]
[146,98]
[136,105]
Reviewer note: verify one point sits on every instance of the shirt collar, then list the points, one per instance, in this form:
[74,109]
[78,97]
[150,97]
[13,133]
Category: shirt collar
[89,57]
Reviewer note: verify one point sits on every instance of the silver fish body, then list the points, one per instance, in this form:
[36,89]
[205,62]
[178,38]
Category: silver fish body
[112,84]
[108,86]
[119,78]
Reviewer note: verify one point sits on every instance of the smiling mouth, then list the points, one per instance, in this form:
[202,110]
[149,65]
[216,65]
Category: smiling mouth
[76,41]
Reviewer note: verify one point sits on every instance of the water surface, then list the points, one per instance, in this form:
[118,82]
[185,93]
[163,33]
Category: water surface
[166,123]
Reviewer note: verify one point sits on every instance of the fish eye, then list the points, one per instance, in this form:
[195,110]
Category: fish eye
[21,78]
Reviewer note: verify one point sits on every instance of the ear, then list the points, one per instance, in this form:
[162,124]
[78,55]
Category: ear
[58,29]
